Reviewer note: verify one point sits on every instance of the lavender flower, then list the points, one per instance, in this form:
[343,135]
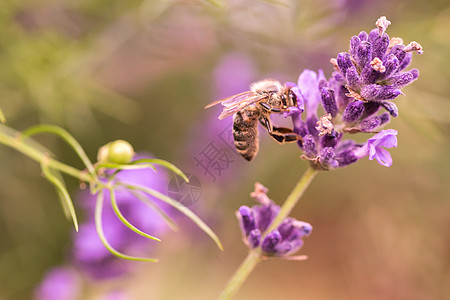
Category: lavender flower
[365,81]
[60,283]
[283,241]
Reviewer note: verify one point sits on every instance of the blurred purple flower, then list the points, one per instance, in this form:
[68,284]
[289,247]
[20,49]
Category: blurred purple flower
[89,252]
[283,241]
[60,283]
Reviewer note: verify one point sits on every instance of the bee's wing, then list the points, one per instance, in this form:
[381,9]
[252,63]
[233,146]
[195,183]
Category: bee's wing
[232,99]
[238,102]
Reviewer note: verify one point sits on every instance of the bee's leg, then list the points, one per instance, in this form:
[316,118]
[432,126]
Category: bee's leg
[280,134]
[270,108]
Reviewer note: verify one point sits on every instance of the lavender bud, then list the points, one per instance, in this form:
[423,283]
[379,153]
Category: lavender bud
[353,79]
[311,125]
[344,62]
[354,43]
[364,54]
[309,146]
[369,75]
[328,101]
[363,36]
[373,35]
[397,50]
[374,92]
[391,65]
[327,158]
[338,77]
[346,158]
[385,118]
[379,46]
[370,108]
[341,97]
[370,124]
[353,111]
[248,220]
[254,238]
[405,61]
[391,108]
[400,80]
[271,241]
[323,84]
[330,140]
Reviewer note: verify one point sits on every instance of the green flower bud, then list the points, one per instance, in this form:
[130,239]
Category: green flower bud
[119,152]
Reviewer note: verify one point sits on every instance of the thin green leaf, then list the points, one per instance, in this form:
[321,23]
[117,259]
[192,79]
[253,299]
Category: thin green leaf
[69,139]
[101,234]
[171,223]
[2,116]
[122,167]
[163,163]
[124,220]
[62,191]
[188,213]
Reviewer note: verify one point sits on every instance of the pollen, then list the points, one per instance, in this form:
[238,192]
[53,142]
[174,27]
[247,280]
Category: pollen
[414,46]
[382,24]
[395,41]
[324,125]
[377,65]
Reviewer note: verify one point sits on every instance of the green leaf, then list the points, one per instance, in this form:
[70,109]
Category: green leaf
[156,208]
[101,234]
[69,139]
[2,116]
[62,192]
[188,213]
[125,221]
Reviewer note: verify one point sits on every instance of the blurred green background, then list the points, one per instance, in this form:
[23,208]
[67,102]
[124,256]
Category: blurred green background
[143,71]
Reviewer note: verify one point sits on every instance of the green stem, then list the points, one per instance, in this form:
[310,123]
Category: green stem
[293,198]
[254,256]
[241,274]
[24,148]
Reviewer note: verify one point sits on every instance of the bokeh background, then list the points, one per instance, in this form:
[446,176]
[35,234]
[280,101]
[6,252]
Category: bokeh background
[143,71]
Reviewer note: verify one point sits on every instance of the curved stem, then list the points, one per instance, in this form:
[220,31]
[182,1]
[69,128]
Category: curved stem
[254,256]
[38,156]
[293,198]
[241,274]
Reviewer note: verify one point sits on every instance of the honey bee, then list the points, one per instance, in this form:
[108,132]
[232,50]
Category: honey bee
[264,97]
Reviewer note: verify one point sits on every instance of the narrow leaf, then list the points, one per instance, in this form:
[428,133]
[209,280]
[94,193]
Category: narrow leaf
[2,116]
[125,221]
[101,234]
[163,163]
[62,192]
[188,213]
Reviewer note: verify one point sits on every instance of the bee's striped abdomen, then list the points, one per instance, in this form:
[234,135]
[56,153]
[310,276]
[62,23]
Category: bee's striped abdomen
[245,132]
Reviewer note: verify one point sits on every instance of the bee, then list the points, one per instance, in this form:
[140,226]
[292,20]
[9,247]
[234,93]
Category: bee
[264,98]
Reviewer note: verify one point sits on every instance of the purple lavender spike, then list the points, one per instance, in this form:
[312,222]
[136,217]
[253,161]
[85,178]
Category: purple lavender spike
[309,146]
[353,111]
[271,241]
[344,62]
[346,158]
[328,101]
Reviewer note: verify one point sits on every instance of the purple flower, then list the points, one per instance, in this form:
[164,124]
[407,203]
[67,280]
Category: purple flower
[283,241]
[60,283]
[356,99]
[374,147]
